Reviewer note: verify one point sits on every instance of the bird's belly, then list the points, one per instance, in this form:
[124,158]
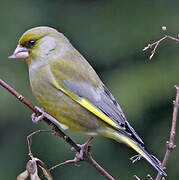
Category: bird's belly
[64,109]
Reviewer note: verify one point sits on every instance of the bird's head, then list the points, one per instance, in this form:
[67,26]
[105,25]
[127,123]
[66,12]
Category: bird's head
[36,42]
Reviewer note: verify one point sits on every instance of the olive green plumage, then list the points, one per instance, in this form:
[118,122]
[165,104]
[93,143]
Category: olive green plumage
[69,89]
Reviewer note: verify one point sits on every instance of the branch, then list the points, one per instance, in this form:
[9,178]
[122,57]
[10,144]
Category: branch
[86,157]
[170,144]
[136,177]
[156,43]
[37,112]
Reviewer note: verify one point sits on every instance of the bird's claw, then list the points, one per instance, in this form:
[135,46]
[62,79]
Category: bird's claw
[36,118]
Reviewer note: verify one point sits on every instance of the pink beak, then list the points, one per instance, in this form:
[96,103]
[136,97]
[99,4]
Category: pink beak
[20,53]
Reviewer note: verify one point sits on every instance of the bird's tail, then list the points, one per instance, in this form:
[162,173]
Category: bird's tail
[139,149]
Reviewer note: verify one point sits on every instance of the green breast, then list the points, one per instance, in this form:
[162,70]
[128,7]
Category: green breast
[59,105]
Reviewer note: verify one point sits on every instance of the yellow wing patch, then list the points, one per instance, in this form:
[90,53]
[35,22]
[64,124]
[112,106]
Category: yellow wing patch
[87,105]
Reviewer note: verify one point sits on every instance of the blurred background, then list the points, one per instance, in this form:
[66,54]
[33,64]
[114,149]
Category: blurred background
[111,35]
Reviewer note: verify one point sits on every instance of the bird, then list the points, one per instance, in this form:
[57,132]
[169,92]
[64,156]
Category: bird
[69,89]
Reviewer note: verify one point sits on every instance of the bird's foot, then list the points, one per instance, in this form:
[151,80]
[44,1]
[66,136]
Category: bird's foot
[36,118]
[135,158]
[84,147]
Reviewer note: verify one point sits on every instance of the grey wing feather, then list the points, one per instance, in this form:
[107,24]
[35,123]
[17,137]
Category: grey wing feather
[104,100]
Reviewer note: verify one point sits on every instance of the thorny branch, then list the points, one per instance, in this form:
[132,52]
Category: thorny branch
[86,155]
[156,43]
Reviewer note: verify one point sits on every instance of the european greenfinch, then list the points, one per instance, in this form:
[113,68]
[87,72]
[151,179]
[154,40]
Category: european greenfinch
[68,88]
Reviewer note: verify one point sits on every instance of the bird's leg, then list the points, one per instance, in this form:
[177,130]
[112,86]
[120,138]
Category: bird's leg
[37,118]
[84,147]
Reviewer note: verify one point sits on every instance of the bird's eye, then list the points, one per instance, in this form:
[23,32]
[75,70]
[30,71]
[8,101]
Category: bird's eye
[31,42]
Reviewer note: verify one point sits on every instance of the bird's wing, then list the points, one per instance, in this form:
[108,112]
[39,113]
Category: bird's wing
[97,100]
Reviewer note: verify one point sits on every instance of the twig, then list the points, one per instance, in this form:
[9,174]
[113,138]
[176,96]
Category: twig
[136,177]
[63,163]
[91,161]
[29,140]
[36,111]
[156,43]
[170,144]
[87,157]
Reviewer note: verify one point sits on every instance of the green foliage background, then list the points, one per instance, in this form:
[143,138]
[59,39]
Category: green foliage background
[111,35]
